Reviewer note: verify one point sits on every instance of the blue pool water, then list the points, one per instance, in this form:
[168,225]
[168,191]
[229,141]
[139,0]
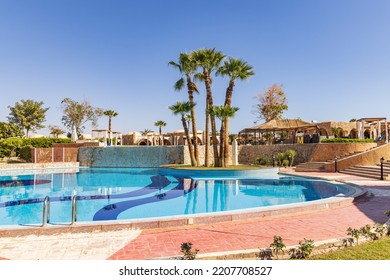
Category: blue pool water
[119,194]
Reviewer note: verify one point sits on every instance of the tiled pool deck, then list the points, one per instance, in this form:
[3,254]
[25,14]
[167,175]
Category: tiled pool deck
[219,238]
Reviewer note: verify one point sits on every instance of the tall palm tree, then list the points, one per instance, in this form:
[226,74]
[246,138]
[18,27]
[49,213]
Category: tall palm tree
[223,112]
[183,108]
[160,124]
[110,114]
[234,69]
[209,60]
[187,67]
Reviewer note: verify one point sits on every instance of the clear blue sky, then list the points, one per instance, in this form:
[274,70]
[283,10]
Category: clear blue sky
[333,57]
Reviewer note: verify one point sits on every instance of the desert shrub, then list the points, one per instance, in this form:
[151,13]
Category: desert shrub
[188,253]
[277,246]
[303,250]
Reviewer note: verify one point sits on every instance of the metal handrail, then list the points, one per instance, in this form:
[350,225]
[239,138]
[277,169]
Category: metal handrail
[46,211]
[74,208]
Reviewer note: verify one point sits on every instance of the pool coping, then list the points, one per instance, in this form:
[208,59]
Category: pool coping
[355,192]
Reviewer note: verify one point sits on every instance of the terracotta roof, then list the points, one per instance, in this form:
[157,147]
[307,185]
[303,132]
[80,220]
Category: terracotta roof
[285,124]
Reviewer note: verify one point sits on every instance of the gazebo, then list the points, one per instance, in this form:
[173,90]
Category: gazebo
[106,134]
[375,128]
[291,126]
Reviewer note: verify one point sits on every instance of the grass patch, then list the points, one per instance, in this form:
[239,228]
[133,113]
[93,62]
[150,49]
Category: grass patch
[231,167]
[371,250]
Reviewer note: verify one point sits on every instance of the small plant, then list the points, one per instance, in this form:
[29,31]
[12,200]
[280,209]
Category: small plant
[265,254]
[279,159]
[277,246]
[366,232]
[304,249]
[348,241]
[355,233]
[188,253]
[290,155]
[285,163]
[380,230]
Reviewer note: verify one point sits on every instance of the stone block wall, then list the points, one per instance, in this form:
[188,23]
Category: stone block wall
[187,158]
[327,151]
[247,154]
[130,156]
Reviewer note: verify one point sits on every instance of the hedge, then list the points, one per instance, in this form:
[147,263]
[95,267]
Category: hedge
[17,147]
[346,140]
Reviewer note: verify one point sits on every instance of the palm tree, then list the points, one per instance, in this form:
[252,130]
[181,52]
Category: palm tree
[234,69]
[183,108]
[160,124]
[223,112]
[110,114]
[146,131]
[209,60]
[187,67]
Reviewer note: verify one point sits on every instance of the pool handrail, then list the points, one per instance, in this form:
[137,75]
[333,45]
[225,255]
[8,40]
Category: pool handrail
[74,207]
[46,211]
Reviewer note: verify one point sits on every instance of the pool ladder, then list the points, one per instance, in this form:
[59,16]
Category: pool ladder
[46,210]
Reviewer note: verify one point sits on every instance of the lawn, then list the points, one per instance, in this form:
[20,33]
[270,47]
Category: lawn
[372,250]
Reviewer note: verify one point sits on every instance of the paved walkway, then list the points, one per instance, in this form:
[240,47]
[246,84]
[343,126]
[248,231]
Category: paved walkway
[217,238]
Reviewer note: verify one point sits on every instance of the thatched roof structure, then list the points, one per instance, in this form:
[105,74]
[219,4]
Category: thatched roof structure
[281,125]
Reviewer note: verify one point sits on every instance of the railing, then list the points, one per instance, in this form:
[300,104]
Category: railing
[46,211]
[74,208]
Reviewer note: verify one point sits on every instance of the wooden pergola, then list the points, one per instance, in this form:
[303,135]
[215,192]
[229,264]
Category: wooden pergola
[289,125]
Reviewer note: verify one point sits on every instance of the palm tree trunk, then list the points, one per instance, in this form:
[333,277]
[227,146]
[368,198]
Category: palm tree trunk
[190,148]
[193,119]
[212,117]
[228,102]
[207,137]
[222,144]
[109,123]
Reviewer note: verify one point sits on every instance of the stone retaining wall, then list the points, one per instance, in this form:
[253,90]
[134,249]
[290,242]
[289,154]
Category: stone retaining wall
[130,156]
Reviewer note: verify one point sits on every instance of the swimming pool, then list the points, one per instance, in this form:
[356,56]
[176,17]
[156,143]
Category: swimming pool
[117,194]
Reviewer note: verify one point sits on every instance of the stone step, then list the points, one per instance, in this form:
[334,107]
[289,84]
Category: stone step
[367,171]
[310,167]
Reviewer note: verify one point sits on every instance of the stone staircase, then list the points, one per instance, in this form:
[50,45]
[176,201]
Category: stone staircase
[319,166]
[369,171]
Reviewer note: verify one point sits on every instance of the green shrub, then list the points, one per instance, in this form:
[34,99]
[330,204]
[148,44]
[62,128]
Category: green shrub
[263,161]
[11,144]
[346,140]
[304,249]
[11,147]
[25,153]
[5,152]
[277,246]
[290,154]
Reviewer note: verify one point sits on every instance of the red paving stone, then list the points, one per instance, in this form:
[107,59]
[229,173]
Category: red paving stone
[256,233]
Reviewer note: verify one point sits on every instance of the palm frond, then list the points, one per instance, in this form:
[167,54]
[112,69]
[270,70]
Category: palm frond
[179,84]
